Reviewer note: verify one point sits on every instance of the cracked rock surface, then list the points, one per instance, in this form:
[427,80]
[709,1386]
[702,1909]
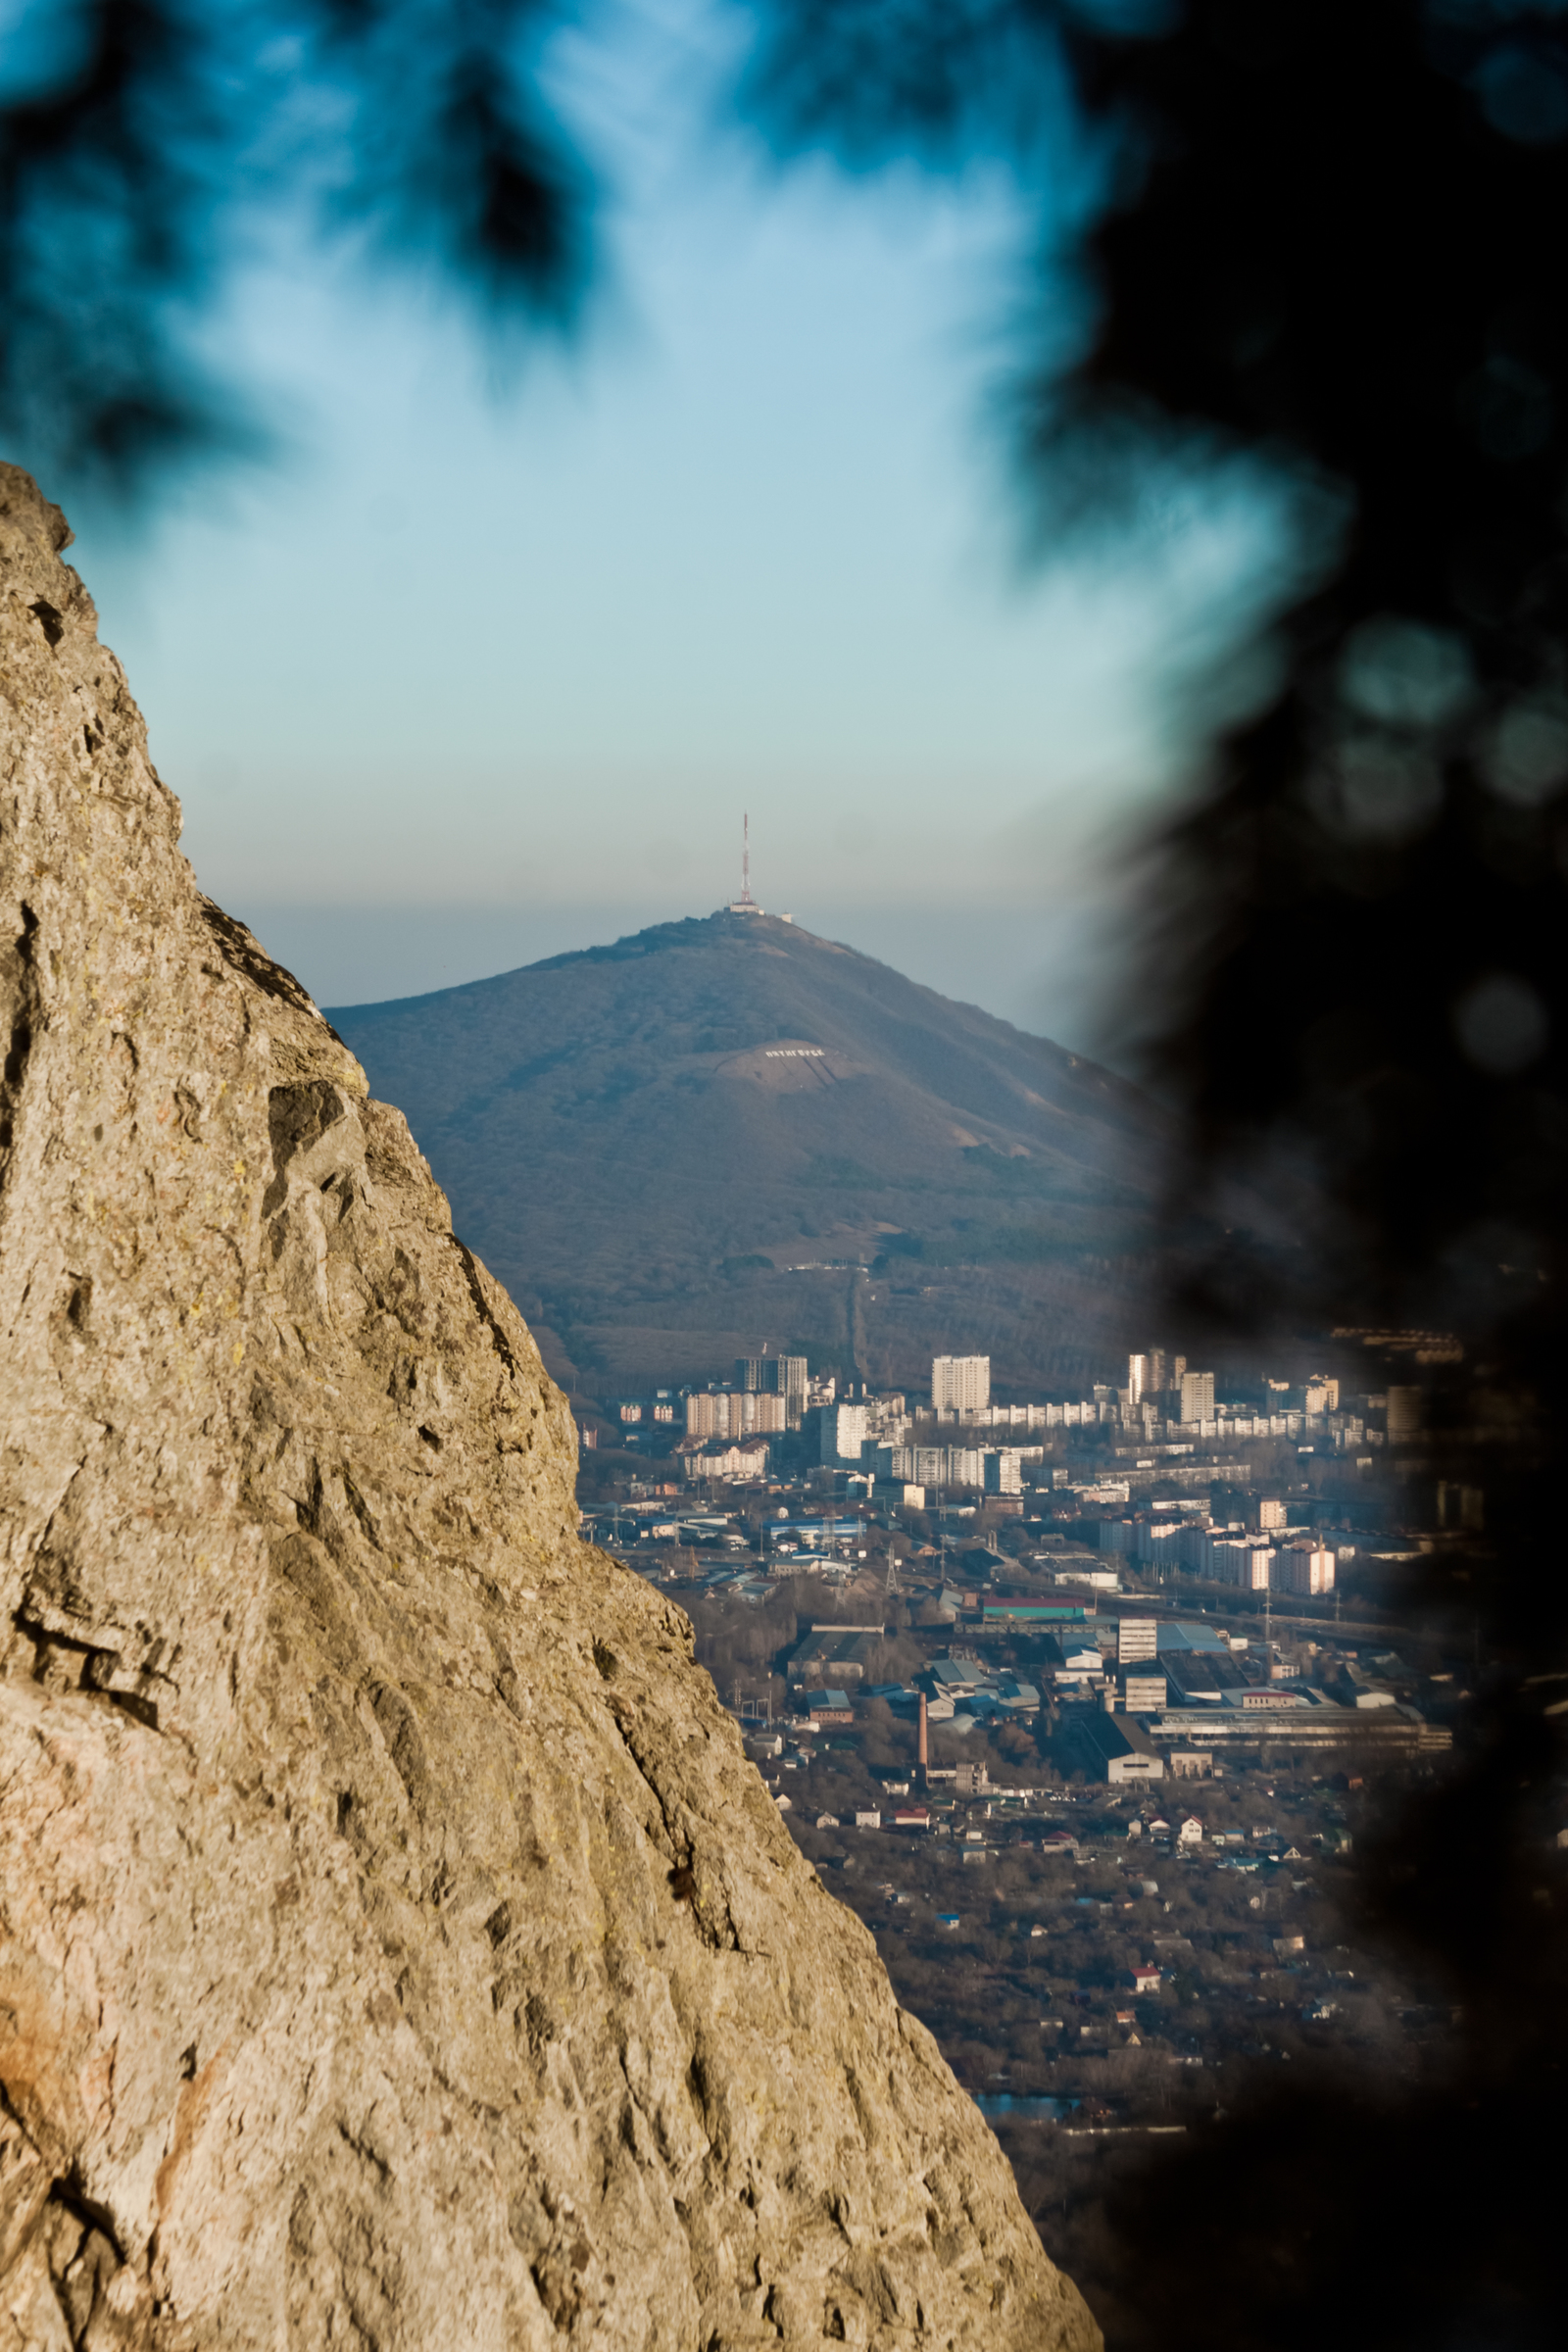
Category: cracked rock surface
[396,1947]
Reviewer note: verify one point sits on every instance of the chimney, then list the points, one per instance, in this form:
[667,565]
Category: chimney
[924,1753]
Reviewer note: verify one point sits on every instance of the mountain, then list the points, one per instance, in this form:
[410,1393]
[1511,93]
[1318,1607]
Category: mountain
[720,1132]
[398,1947]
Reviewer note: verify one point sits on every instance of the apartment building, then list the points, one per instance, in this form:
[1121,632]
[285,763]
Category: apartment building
[783,1376]
[734,1413]
[961,1382]
[1304,1568]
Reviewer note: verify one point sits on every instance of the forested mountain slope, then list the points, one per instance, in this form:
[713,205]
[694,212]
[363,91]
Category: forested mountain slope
[722,1131]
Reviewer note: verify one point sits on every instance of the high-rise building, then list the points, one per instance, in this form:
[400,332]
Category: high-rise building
[1156,1384]
[1304,1568]
[1198,1396]
[1139,1384]
[1136,1637]
[1242,1561]
[778,1375]
[1271,1513]
[1461,1507]
[843,1432]
[732,1413]
[961,1382]
[1406,1413]
[702,1417]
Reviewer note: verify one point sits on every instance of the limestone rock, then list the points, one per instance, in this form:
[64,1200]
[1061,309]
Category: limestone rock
[397,1948]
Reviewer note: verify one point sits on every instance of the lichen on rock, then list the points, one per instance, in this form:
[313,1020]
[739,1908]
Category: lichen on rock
[396,1947]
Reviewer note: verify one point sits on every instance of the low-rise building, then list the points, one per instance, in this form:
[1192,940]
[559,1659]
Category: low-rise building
[1081,1669]
[748,1459]
[832,1653]
[956,1678]
[1306,1718]
[1032,1612]
[1180,1636]
[1201,1676]
[1113,1747]
[1015,1697]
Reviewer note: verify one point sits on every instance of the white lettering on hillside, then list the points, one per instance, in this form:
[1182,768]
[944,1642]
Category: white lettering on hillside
[796,1053]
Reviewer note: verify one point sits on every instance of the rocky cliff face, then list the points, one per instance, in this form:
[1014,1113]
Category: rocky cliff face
[397,1949]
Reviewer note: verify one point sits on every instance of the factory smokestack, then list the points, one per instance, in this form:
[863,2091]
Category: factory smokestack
[924,1756]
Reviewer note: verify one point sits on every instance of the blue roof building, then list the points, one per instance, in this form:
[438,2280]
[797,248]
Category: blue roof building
[1190,1637]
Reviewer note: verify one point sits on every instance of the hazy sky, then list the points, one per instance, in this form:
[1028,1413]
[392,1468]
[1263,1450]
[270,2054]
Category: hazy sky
[468,676]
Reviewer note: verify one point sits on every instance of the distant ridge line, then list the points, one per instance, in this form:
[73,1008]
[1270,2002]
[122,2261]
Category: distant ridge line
[622,1153]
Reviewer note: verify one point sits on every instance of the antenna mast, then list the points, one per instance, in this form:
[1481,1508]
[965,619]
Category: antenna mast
[745,904]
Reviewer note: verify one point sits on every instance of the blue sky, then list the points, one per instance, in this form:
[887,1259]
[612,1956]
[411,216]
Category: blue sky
[472,674]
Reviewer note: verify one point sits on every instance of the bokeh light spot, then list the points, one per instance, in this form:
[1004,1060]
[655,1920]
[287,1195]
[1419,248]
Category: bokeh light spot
[1377,788]
[1404,674]
[1524,94]
[1526,757]
[1502,1024]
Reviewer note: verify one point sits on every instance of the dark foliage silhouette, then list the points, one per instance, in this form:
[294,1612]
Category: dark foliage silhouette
[129,153]
[1332,237]
[1335,238]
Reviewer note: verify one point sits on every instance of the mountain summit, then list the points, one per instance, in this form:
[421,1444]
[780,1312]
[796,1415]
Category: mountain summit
[723,1131]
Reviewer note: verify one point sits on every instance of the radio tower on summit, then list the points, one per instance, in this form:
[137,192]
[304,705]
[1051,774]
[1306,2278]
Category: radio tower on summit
[745,904]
